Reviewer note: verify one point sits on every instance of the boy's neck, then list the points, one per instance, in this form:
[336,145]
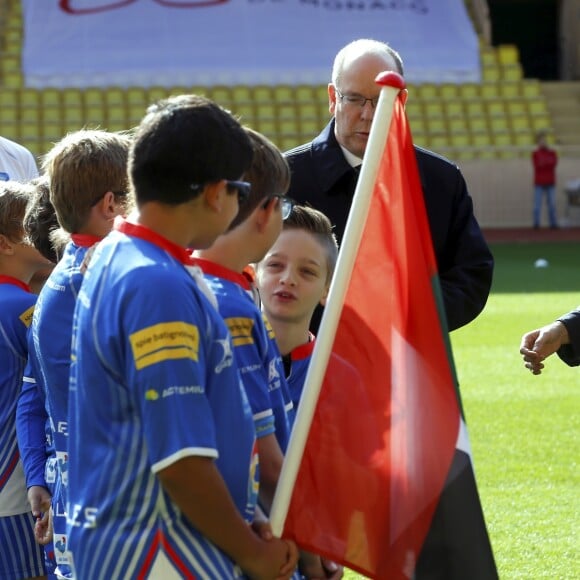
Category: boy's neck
[289,335]
[230,250]
[16,269]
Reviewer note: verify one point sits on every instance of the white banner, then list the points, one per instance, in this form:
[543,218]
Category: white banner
[84,43]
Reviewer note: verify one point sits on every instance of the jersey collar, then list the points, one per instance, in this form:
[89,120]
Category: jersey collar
[214,269]
[139,231]
[85,240]
[304,350]
[15,282]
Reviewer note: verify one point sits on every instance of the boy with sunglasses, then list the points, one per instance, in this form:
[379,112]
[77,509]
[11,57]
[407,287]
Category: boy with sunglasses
[251,234]
[168,489]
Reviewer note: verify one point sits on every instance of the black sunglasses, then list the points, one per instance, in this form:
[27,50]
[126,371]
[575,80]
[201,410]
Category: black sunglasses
[242,187]
[117,194]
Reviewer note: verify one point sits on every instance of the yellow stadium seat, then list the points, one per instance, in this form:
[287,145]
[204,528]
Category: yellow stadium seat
[8,115]
[265,110]
[448,91]
[512,73]
[508,54]
[308,110]
[438,141]
[489,90]
[516,108]
[509,90]
[540,122]
[477,124]
[520,124]
[288,142]
[436,126]
[10,130]
[30,115]
[288,127]
[284,94]
[491,74]
[457,125]
[321,93]
[453,108]
[537,107]
[12,80]
[72,98]
[469,91]
[495,108]
[155,94]
[488,56]
[114,96]
[427,91]
[475,109]
[8,98]
[267,126]
[136,96]
[50,98]
[459,139]
[286,111]
[524,139]
[221,95]
[241,94]
[309,128]
[29,98]
[433,109]
[531,89]
[263,94]
[304,94]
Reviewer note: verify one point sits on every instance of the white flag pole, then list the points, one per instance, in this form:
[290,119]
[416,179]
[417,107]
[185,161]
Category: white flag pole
[392,83]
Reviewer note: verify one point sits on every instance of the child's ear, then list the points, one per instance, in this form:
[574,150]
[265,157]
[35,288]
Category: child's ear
[266,210]
[108,205]
[213,194]
[325,295]
[6,246]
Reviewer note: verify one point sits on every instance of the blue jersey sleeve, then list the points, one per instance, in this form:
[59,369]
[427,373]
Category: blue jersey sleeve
[31,420]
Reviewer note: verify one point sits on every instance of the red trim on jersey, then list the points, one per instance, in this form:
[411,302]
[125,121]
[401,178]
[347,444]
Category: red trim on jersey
[10,468]
[304,350]
[15,282]
[214,269]
[161,541]
[85,240]
[144,233]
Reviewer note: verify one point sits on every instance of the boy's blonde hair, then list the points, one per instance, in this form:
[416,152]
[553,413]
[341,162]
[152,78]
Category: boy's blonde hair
[82,167]
[317,224]
[14,199]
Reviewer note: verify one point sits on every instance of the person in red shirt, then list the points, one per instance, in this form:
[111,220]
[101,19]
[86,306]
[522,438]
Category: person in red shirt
[545,160]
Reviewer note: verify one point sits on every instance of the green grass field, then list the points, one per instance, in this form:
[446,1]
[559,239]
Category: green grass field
[524,429]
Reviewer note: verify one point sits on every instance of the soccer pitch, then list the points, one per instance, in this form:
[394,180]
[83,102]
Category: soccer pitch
[524,429]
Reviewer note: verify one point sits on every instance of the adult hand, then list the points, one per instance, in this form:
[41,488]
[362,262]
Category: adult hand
[539,344]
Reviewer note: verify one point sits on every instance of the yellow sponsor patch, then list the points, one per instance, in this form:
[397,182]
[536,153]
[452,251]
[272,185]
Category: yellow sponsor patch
[26,316]
[268,326]
[164,341]
[151,395]
[241,330]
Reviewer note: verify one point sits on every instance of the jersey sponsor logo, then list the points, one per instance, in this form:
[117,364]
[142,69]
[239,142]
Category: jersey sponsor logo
[164,341]
[273,375]
[227,356]
[26,316]
[241,330]
[268,326]
[151,395]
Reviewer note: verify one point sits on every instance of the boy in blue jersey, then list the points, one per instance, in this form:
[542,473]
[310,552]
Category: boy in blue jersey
[20,556]
[293,280]
[168,488]
[88,186]
[253,231]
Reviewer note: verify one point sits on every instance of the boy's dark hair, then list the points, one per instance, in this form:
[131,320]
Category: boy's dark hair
[14,199]
[183,143]
[82,167]
[40,219]
[269,174]
[316,223]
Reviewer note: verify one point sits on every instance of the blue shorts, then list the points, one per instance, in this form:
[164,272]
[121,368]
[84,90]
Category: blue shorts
[20,555]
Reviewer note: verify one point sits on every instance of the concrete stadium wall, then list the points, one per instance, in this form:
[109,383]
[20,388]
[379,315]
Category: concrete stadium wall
[502,191]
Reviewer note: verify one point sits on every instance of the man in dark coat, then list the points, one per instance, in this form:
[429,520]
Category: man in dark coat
[324,175]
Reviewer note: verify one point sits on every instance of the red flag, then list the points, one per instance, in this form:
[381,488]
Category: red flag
[384,429]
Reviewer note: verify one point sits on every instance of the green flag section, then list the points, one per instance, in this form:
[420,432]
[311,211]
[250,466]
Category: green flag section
[381,487]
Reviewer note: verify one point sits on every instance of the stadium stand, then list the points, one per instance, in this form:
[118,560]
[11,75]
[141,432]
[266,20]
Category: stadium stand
[494,118]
